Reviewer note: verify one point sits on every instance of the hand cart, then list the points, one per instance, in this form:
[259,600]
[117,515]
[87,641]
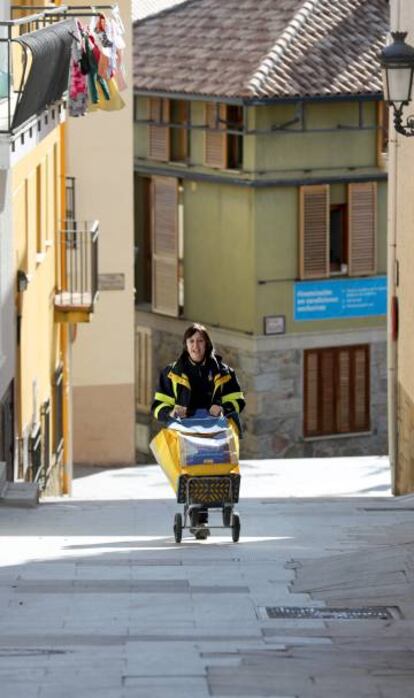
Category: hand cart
[200,456]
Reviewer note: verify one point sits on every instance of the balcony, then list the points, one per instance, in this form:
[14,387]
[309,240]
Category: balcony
[34,67]
[77,271]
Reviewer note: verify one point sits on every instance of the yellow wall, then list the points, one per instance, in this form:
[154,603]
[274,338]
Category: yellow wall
[35,205]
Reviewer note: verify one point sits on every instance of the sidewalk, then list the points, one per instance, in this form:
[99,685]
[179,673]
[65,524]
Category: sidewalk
[96,599]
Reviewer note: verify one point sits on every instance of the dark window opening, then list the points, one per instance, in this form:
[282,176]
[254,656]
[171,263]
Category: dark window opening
[338,243]
[57,411]
[234,141]
[7,431]
[179,137]
[143,247]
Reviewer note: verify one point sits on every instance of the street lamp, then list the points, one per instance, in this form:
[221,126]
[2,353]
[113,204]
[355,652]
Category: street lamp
[397,61]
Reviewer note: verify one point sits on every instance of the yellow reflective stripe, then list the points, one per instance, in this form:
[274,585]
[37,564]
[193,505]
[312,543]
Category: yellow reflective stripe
[232,396]
[236,405]
[182,380]
[162,397]
[158,409]
[220,380]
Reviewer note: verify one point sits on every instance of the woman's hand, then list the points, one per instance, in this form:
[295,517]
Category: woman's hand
[216,411]
[179,411]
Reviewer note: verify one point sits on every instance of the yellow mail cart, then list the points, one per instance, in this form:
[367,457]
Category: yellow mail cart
[200,458]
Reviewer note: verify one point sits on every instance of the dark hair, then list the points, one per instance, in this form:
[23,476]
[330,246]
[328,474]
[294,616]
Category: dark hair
[196,327]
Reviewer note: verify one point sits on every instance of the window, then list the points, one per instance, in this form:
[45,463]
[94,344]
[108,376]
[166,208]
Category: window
[179,137]
[234,141]
[382,133]
[57,444]
[338,248]
[224,150]
[39,210]
[337,239]
[336,390]
[159,135]
[165,245]
[159,237]
[169,142]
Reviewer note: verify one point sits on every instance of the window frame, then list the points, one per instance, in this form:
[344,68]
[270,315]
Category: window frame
[361,231]
[220,146]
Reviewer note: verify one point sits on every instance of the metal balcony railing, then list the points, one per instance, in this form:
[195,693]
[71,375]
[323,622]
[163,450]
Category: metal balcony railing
[35,52]
[34,65]
[77,265]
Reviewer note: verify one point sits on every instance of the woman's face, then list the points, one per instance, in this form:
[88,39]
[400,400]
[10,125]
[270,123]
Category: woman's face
[196,347]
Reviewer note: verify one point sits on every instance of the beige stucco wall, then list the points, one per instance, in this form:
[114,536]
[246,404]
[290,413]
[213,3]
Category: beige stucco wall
[100,157]
[402,220]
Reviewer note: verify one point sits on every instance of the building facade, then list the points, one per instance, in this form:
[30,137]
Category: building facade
[100,161]
[260,196]
[35,426]
[401,285]
[49,256]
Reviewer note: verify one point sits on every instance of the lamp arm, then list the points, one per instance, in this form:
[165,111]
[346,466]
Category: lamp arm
[406,129]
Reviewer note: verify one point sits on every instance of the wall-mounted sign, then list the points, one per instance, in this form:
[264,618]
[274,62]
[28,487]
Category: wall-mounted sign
[111,282]
[274,324]
[340,298]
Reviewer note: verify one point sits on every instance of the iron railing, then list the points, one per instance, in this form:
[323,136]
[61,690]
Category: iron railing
[77,265]
[35,455]
[58,432]
[22,94]
[70,198]
[33,72]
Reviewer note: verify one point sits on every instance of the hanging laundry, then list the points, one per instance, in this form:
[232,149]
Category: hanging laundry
[78,89]
[97,71]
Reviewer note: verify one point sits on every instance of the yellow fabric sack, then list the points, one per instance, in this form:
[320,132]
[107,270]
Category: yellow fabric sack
[171,448]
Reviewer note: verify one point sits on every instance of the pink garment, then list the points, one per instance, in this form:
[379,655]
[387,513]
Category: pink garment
[77,81]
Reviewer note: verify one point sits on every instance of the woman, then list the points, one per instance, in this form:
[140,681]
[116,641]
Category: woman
[199,379]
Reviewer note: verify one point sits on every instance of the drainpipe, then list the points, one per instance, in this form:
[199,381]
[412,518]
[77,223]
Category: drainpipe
[392,273]
[392,321]
[66,352]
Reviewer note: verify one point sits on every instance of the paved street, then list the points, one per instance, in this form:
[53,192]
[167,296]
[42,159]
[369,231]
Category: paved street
[96,599]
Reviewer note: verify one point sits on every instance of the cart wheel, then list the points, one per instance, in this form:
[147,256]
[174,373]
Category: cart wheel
[227,512]
[178,528]
[235,527]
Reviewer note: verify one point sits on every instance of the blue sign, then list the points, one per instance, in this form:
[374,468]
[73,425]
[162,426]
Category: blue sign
[340,298]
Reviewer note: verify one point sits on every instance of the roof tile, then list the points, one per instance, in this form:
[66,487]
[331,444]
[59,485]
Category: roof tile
[266,49]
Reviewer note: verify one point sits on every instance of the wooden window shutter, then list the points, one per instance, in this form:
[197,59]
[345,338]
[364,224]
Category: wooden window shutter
[343,396]
[314,231]
[337,390]
[327,391]
[143,368]
[362,222]
[216,142]
[361,388]
[165,245]
[159,136]
[311,393]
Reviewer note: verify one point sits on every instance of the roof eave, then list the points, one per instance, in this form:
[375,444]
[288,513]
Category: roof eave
[258,101]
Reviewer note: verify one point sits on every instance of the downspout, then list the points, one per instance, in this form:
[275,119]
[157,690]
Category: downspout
[65,348]
[392,273]
[392,316]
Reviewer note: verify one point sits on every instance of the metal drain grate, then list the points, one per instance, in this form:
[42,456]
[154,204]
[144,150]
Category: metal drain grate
[314,613]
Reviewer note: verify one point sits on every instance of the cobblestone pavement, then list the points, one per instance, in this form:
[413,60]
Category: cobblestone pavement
[96,599]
